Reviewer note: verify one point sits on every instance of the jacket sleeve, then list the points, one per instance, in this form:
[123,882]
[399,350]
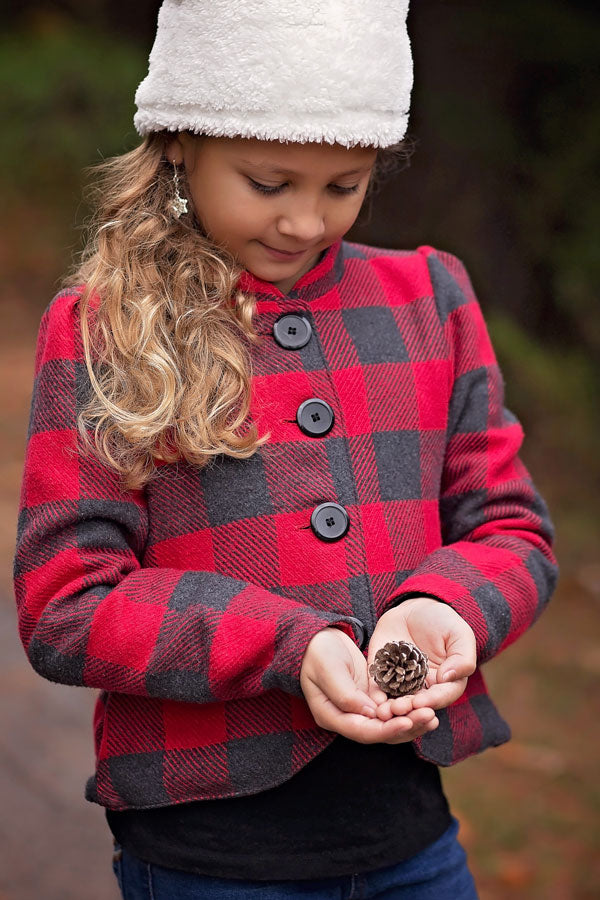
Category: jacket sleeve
[89,613]
[496,567]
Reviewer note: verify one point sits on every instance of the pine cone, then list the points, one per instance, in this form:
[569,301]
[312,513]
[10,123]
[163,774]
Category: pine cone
[399,668]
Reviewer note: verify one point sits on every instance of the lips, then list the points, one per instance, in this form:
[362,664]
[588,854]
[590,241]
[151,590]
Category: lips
[283,254]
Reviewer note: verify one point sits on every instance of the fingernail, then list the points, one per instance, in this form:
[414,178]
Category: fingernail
[368,711]
[449,676]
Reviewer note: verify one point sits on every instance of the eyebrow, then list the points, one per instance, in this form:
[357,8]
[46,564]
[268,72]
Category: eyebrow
[279,170]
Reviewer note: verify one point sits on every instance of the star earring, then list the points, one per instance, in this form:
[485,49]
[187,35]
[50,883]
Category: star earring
[179,204]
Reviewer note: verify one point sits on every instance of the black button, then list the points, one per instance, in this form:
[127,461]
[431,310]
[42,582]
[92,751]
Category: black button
[315,417]
[292,331]
[329,521]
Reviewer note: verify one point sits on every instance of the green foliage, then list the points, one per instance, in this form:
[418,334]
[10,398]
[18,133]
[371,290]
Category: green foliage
[554,391]
[68,95]
[560,383]
[514,107]
[555,48]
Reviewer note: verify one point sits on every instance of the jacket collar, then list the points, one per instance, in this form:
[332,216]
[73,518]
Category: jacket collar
[314,283]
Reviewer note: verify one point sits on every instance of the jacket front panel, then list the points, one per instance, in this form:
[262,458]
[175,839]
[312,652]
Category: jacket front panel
[190,605]
[382,459]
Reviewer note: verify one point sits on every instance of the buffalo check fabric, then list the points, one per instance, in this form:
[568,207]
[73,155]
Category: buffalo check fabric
[189,604]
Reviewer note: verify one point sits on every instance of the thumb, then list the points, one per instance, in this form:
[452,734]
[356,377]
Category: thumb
[461,649]
[456,666]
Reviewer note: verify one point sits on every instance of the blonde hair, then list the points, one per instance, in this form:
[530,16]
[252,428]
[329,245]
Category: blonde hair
[165,332]
[166,342]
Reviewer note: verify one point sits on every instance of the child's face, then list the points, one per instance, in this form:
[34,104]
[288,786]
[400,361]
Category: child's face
[275,206]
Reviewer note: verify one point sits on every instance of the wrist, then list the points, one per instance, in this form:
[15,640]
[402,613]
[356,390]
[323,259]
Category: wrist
[411,600]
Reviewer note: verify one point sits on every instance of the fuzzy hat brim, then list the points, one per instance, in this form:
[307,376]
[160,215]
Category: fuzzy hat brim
[337,71]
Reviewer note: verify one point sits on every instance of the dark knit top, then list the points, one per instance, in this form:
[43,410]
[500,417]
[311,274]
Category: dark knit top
[353,808]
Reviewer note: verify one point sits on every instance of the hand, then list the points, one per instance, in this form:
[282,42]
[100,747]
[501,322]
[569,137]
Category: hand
[334,680]
[444,636]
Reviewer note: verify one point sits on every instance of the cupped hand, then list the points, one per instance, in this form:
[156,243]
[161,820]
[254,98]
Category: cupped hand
[335,684]
[444,636]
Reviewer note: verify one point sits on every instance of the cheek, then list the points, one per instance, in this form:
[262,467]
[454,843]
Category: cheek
[232,216]
[211,201]
[247,215]
[343,216]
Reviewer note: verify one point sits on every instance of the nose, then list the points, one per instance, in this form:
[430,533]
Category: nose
[303,222]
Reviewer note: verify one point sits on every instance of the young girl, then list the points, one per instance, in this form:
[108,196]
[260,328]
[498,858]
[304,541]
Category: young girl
[257,453]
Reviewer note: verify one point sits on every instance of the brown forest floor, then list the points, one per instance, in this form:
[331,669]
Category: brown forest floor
[529,811]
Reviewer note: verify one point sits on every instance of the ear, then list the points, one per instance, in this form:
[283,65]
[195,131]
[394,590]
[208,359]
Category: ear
[174,150]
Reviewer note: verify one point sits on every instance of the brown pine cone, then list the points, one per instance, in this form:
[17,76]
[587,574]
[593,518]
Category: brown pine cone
[399,668]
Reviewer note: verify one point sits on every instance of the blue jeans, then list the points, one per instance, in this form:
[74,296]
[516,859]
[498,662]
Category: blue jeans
[437,873]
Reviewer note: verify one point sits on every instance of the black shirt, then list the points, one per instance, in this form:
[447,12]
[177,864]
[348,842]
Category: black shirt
[355,807]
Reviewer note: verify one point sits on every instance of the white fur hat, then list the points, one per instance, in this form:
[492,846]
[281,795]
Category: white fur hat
[288,70]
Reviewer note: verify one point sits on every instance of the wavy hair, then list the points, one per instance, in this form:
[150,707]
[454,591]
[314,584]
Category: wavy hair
[166,333]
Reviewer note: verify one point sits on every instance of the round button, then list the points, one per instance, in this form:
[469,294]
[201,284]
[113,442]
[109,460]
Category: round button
[329,521]
[315,417]
[292,331]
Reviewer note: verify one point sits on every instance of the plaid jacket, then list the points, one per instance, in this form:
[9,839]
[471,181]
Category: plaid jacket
[190,604]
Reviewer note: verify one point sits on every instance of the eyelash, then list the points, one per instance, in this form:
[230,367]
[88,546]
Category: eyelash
[270,191]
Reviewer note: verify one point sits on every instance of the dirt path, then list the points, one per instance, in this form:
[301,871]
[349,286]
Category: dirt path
[53,843]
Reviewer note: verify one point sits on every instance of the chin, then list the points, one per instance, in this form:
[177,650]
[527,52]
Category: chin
[275,271]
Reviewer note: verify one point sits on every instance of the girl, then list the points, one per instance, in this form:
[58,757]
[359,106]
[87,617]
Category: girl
[257,453]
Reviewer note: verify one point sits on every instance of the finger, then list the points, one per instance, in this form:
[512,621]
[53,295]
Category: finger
[361,729]
[338,685]
[397,706]
[416,732]
[376,694]
[438,696]
[386,712]
[420,718]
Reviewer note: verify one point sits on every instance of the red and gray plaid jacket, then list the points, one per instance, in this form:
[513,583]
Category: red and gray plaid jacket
[190,604]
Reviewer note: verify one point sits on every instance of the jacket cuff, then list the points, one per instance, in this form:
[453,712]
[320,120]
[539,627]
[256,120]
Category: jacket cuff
[410,595]
[355,629]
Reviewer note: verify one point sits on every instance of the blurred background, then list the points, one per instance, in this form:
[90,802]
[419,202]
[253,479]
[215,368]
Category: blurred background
[504,173]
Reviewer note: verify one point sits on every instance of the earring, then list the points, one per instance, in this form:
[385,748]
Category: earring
[179,204]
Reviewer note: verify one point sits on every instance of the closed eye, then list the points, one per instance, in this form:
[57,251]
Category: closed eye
[277,189]
[339,189]
[266,188]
